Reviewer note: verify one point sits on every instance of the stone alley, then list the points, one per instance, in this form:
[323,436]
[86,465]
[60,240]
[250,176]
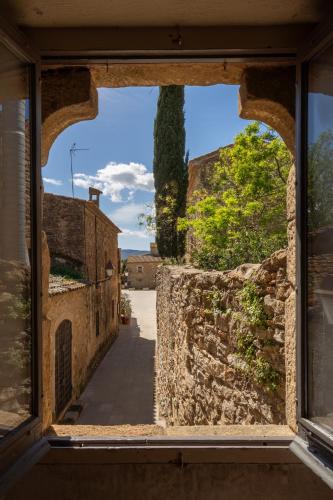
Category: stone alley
[121,390]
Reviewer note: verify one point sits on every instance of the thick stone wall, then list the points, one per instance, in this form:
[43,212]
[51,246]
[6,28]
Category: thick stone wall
[220,355]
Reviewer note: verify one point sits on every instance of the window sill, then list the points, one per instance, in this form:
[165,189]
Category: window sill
[131,431]
[103,444]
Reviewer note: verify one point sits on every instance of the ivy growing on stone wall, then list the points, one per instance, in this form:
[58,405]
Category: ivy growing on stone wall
[252,304]
[258,368]
[265,374]
[248,345]
[249,316]
[215,297]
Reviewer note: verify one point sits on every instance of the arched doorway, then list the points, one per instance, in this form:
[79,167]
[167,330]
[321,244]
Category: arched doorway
[63,365]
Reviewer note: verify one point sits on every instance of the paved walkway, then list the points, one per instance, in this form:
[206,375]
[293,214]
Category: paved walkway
[121,390]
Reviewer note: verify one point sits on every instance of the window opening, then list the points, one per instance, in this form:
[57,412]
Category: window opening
[239,323]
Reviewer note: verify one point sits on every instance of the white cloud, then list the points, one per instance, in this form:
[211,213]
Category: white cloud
[137,234]
[128,214]
[55,182]
[115,178]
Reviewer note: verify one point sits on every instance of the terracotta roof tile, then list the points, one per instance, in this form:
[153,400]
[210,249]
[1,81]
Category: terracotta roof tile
[144,258]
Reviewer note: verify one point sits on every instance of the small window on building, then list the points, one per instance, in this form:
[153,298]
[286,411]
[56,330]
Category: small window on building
[140,269]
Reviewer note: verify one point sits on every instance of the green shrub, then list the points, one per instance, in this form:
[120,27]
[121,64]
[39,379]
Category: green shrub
[253,304]
[242,216]
[264,374]
[253,315]
[125,305]
[66,271]
[245,345]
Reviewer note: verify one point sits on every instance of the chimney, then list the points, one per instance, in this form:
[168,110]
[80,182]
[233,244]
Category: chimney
[94,195]
[153,249]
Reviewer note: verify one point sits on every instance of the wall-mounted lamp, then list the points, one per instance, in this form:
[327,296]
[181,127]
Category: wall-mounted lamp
[109,269]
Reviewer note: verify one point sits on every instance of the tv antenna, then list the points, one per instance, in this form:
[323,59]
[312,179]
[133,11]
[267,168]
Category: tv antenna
[72,151]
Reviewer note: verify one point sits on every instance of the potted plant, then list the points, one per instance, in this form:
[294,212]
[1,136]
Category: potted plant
[125,309]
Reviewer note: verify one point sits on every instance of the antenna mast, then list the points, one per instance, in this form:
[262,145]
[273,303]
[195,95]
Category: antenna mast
[72,151]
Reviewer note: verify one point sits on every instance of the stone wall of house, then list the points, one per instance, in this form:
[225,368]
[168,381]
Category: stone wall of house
[63,222]
[221,340]
[200,171]
[79,304]
[101,240]
[144,279]
[199,178]
[81,236]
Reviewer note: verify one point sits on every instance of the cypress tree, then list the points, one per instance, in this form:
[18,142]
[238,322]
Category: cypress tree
[170,170]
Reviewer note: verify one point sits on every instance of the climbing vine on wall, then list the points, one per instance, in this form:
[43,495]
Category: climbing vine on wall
[248,344]
[252,304]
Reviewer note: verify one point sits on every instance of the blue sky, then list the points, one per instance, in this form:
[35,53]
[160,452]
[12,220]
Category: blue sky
[120,149]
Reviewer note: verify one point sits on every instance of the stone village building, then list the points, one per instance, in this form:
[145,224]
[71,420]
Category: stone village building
[142,269]
[199,170]
[83,46]
[82,316]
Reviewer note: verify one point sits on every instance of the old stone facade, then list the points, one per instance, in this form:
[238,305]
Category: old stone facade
[78,238]
[221,339]
[199,178]
[79,304]
[142,269]
[199,172]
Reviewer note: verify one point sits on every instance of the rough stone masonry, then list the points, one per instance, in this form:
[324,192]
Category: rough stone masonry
[220,356]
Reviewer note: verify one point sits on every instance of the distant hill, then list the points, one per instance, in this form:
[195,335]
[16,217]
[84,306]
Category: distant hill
[126,252]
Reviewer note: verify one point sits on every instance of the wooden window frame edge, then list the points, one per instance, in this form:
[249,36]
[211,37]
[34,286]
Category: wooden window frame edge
[313,445]
[17,443]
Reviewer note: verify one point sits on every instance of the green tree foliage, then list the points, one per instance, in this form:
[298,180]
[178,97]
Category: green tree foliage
[170,170]
[147,219]
[243,217]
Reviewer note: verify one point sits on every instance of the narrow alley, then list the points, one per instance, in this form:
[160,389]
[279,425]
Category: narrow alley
[121,390]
